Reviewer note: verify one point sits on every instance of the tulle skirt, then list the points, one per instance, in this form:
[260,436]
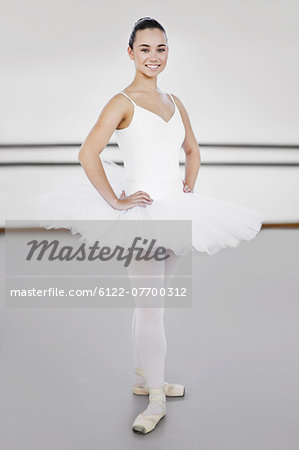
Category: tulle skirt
[214,223]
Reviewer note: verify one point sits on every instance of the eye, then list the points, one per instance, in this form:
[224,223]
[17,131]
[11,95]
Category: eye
[146,49]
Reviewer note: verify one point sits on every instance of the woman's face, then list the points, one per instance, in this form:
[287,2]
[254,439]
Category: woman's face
[150,51]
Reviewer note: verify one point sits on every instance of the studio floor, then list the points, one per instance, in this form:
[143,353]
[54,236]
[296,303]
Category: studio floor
[67,373]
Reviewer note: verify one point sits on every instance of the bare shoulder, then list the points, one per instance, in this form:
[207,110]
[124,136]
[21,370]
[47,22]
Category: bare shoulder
[182,110]
[117,103]
[179,104]
[115,111]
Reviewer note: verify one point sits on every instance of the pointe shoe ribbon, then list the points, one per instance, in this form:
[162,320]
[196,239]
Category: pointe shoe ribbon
[171,389]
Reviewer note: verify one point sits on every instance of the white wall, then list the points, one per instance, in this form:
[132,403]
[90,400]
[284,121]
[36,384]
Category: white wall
[233,64]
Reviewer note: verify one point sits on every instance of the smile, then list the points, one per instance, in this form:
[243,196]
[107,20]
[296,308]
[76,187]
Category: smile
[152,66]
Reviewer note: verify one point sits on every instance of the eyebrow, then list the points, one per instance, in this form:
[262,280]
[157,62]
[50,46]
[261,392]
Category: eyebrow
[146,45]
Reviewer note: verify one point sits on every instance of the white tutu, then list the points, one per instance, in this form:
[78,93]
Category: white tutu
[150,148]
[216,224]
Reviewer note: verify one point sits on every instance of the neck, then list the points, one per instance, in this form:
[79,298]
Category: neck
[144,83]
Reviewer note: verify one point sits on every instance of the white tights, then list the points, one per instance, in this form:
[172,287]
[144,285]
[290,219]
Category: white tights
[149,339]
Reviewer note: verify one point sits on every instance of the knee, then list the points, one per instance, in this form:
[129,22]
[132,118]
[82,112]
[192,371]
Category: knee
[149,316]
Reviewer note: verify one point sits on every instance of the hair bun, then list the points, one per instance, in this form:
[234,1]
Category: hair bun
[143,18]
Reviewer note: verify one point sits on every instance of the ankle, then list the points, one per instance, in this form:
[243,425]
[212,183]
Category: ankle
[157,399]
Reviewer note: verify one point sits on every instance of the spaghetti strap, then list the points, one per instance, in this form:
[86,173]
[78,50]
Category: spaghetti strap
[172,99]
[128,97]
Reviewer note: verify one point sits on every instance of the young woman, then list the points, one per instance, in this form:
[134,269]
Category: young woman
[151,126]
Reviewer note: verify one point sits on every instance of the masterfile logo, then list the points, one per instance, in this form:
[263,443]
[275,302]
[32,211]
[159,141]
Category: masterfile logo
[104,264]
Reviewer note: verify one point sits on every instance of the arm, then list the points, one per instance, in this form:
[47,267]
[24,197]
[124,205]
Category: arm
[110,117]
[191,149]
[114,112]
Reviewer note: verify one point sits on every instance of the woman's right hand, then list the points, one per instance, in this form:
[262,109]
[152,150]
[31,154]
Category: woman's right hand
[139,198]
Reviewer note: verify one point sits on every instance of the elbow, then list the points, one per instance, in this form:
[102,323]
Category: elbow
[191,151]
[86,156]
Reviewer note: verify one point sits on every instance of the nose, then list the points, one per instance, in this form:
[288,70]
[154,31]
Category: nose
[155,61]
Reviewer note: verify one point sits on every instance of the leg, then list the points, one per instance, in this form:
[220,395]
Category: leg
[139,378]
[150,339]
[171,265]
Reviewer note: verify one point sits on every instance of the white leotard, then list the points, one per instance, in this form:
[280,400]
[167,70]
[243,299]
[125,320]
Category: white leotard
[150,148]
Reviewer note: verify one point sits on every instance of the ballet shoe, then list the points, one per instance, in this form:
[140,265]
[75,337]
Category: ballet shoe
[171,389]
[144,423]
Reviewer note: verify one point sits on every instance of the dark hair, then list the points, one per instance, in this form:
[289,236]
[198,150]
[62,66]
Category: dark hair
[142,24]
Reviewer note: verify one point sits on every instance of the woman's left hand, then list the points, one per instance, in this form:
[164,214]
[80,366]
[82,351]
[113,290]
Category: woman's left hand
[186,187]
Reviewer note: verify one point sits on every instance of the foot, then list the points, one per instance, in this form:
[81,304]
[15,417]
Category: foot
[156,410]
